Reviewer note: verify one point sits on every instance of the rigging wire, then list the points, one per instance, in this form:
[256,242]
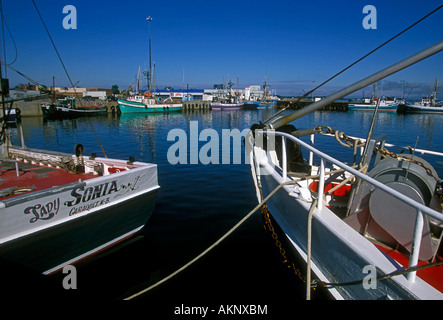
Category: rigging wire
[12,38]
[67,74]
[354,63]
[22,74]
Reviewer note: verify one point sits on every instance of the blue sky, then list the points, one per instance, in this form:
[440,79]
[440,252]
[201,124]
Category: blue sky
[297,44]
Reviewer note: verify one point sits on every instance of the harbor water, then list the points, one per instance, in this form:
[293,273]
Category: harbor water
[197,203]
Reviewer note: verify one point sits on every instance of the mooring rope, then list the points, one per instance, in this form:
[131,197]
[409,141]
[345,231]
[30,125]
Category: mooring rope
[314,283]
[258,206]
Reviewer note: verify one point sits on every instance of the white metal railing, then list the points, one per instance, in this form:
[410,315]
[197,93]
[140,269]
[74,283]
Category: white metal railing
[421,209]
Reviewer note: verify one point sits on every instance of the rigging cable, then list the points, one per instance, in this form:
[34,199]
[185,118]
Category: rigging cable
[66,71]
[22,74]
[355,62]
[12,38]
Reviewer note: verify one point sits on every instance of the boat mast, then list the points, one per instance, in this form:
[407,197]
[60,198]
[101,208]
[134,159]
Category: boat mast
[138,86]
[4,87]
[358,85]
[149,19]
[434,98]
[265,87]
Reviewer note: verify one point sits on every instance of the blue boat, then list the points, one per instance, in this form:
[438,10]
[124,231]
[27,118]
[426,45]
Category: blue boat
[259,104]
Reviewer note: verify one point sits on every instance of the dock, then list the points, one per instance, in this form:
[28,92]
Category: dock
[196,105]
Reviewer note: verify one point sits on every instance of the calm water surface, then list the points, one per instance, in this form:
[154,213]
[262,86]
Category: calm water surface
[198,203]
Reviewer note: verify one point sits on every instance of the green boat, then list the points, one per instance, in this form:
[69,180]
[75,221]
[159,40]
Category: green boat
[142,104]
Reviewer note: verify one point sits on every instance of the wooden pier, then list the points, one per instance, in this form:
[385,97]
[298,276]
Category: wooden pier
[196,105]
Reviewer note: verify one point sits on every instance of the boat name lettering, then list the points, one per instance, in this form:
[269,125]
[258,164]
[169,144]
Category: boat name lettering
[43,211]
[81,194]
[88,206]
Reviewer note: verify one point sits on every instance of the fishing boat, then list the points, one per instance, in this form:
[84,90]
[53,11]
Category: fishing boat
[147,104]
[58,209]
[263,102]
[426,105]
[389,105]
[259,104]
[220,106]
[367,229]
[228,100]
[67,108]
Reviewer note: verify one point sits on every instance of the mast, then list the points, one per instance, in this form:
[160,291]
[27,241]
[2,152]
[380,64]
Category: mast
[138,83]
[265,87]
[434,98]
[149,19]
[4,87]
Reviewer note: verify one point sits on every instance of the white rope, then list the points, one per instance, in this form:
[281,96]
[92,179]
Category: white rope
[213,245]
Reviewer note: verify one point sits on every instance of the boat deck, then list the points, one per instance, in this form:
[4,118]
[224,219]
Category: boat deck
[33,177]
[430,275]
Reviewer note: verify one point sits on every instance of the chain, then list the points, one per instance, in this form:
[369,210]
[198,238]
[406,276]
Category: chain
[394,155]
[349,142]
[269,227]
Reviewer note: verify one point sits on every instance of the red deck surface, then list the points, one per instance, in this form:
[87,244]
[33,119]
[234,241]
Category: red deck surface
[432,275]
[34,177]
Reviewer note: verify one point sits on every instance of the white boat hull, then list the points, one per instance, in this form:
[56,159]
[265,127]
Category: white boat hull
[46,230]
[339,254]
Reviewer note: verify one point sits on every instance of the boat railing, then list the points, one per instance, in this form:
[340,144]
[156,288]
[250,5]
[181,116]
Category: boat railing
[324,158]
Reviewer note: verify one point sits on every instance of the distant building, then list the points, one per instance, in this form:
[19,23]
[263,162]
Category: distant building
[95,94]
[16,93]
[69,92]
[82,92]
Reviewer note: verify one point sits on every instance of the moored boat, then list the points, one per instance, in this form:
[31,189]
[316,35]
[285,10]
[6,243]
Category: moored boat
[426,105]
[422,108]
[58,209]
[144,104]
[263,102]
[259,104]
[384,105]
[68,109]
[226,106]
[370,230]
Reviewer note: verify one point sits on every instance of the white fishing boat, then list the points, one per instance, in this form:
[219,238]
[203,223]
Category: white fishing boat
[263,102]
[228,100]
[426,105]
[57,209]
[378,218]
